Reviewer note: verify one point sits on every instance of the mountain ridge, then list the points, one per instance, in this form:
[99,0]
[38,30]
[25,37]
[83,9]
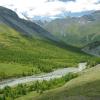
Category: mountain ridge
[26,27]
[76,31]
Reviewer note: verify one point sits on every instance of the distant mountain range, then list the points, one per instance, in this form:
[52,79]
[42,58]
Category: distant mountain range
[73,31]
[77,31]
[27,14]
[44,19]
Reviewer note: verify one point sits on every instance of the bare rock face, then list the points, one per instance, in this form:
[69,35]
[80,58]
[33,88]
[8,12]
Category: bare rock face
[93,48]
[25,27]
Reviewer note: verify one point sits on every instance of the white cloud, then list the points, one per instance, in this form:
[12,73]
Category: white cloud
[52,8]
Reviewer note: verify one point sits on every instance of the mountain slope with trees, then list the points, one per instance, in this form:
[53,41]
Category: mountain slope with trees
[76,31]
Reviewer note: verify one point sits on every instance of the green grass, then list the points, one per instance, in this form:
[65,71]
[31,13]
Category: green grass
[38,86]
[16,70]
[84,87]
[31,55]
[29,96]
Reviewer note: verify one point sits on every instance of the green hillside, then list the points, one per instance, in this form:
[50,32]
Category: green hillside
[21,55]
[84,87]
[76,31]
[27,49]
[82,34]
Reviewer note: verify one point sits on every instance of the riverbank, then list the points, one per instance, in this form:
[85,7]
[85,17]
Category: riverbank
[55,74]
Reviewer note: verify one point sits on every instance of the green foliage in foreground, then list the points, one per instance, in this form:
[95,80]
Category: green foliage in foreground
[11,93]
[22,56]
[84,87]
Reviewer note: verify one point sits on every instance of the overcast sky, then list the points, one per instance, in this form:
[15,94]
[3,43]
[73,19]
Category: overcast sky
[50,7]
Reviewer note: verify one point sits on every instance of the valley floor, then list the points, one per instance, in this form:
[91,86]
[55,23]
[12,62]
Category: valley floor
[84,87]
[55,74]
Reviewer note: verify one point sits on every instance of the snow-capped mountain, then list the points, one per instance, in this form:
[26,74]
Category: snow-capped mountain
[47,10]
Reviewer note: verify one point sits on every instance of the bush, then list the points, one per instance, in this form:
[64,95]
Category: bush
[38,86]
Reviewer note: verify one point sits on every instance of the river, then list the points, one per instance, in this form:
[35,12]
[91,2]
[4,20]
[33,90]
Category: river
[55,74]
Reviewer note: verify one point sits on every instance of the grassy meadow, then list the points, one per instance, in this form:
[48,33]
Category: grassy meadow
[84,87]
[21,55]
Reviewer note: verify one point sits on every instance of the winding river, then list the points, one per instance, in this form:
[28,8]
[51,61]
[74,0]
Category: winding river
[55,74]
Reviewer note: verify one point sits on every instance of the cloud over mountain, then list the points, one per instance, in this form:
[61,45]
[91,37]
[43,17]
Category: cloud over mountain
[49,8]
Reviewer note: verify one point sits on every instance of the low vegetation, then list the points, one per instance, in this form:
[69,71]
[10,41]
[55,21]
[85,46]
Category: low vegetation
[22,56]
[9,93]
[84,87]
